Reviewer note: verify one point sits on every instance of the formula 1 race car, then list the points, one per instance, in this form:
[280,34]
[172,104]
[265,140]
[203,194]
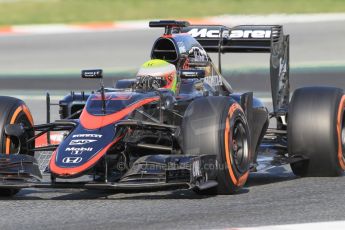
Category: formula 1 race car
[178,124]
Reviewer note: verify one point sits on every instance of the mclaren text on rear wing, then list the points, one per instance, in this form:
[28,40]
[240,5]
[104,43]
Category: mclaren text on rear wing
[257,38]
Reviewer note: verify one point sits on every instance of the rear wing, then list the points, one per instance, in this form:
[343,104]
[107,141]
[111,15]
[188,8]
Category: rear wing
[251,39]
[237,39]
[244,39]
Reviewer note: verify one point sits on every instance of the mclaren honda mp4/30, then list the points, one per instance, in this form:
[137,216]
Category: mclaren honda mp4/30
[178,124]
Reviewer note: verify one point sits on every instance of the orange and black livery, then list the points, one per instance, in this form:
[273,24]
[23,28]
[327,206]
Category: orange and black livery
[178,123]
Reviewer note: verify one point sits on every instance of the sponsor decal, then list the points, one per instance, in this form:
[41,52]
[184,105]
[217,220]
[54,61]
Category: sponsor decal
[214,80]
[181,47]
[250,34]
[87,135]
[78,150]
[205,33]
[81,141]
[282,68]
[97,73]
[72,160]
[197,54]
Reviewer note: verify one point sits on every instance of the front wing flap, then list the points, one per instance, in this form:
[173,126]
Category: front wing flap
[17,167]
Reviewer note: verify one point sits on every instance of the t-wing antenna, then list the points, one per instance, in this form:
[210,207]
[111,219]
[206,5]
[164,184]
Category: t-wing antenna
[96,74]
[171,26]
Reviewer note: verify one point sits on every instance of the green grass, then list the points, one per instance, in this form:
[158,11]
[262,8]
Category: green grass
[76,11]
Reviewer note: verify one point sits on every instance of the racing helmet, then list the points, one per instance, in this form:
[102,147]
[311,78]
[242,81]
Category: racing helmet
[157,73]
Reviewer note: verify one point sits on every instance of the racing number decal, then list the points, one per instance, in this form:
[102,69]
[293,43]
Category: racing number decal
[240,181]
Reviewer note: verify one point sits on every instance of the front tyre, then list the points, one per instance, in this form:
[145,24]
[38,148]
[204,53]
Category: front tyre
[13,111]
[217,125]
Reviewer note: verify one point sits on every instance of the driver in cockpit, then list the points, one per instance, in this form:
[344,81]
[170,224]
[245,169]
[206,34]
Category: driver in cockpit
[157,74]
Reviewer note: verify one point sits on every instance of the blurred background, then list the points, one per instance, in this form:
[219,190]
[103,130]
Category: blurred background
[45,43]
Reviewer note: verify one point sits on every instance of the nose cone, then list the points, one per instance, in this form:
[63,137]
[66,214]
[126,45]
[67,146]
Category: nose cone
[81,150]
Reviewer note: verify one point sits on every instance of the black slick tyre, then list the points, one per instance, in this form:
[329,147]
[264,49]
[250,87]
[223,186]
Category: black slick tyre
[316,131]
[13,111]
[217,125]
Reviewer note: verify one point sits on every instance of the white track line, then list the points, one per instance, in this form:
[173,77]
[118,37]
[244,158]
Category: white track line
[336,225]
[227,20]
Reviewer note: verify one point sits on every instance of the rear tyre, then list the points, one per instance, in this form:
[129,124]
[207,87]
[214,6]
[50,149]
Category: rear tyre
[13,111]
[217,125]
[316,131]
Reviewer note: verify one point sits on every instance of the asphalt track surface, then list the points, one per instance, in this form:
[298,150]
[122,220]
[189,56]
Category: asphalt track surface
[272,197]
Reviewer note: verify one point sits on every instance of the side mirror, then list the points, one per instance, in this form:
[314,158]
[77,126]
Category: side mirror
[196,73]
[92,74]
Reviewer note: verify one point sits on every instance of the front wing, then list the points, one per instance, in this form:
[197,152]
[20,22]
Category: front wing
[153,172]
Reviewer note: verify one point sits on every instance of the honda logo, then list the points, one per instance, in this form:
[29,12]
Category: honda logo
[72,160]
